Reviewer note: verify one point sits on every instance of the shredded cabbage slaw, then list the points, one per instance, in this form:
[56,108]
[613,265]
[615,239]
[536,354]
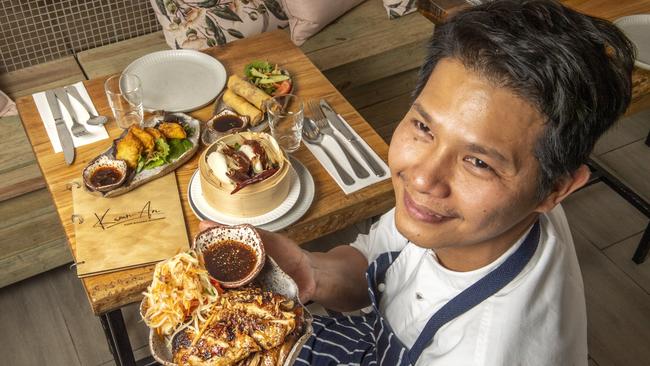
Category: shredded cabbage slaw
[180,295]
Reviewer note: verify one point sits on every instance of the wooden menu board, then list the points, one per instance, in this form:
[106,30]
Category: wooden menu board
[141,227]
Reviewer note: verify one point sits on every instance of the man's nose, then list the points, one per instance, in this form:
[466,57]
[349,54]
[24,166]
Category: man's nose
[432,174]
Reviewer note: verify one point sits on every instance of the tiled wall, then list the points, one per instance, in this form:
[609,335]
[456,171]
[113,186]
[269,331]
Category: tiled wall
[36,31]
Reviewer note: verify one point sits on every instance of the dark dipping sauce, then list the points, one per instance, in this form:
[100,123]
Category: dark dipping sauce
[104,176]
[229,261]
[227,122]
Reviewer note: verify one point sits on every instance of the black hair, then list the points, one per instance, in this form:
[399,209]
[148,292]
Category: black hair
[575,69]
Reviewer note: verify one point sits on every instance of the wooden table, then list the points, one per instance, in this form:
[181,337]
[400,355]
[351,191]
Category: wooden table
[330,211]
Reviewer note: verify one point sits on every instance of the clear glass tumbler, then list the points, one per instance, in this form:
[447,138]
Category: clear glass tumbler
[285,115]
[124,93]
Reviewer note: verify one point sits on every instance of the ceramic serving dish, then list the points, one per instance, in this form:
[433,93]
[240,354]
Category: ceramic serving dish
[219,126]
[220,106]
[244,234]
[270,278]
[132,179]
[117,168]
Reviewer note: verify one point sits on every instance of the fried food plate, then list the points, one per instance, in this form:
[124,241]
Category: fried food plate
[135,179]
[271,278]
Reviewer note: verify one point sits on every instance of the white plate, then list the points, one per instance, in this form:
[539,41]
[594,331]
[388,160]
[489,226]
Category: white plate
[304,201]
[213,213]
[637,29]
[178,80]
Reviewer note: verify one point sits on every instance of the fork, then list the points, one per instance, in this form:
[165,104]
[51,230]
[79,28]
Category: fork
[77,129]
[323,125]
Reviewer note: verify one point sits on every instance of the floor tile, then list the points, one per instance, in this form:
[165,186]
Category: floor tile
[631,164]
[602,216]
[626,131]
[34,330]
[618,310]
[621,254]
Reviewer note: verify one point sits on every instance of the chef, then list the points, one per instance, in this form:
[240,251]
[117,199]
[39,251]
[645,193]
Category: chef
[475,265]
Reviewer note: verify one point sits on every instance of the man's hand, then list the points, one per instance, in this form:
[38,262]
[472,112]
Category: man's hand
[287,254]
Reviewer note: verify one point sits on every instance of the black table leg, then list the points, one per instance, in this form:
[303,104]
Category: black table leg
[600,174]
[118,338]
[644,246]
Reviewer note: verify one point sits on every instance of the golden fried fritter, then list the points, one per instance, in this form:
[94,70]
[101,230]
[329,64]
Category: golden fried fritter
[172,130]
[155,133]
[146,138]
[129,149]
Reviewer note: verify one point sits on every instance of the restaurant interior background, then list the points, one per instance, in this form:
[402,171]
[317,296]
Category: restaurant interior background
[49,296]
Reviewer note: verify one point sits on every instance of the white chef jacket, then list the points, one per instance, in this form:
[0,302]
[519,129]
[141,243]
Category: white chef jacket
[537,319]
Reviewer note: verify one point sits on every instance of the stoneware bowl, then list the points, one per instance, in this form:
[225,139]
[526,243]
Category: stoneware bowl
[101,162]
[210,134]
[245,234]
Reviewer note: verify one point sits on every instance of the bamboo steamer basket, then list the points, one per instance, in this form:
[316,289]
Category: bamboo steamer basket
[255,199]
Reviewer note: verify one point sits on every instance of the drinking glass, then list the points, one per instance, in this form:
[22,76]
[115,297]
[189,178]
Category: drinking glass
[124,93]
[285,115]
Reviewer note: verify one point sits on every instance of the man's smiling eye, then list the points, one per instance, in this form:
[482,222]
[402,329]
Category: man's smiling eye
[421,126]
[477,162]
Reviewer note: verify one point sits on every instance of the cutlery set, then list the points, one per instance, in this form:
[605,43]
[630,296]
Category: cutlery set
[323,121]
[77,129]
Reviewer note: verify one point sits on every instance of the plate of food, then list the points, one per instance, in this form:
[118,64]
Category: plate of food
[245,174]
[224,302]
[247,94]
[143,153]
[204,211]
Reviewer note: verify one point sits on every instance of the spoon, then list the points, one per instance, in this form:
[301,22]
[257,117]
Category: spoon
[93,119]
[312,134]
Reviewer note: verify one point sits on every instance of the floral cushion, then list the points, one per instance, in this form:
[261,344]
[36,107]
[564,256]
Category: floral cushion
[205,23]
[397,8]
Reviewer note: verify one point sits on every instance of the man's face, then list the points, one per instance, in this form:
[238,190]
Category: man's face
[462,162]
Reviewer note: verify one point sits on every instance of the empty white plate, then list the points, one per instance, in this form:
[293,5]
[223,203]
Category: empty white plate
[637,29]
[178,80]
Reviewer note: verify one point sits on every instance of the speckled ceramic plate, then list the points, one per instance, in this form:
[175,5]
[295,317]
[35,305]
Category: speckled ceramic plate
[271,278]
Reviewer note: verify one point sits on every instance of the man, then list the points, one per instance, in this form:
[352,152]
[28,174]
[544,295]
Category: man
[475,265]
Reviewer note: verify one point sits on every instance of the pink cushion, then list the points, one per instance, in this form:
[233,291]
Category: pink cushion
[203,24]
[307,17]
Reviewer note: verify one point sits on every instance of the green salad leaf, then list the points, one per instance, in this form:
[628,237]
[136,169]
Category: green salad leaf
[177,147]
[158,158]
[261,67]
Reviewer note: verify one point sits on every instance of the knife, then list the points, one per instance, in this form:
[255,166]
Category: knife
[345,131]
[62,130]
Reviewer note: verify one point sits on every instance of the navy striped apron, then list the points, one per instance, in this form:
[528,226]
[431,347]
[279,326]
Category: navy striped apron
[369,339]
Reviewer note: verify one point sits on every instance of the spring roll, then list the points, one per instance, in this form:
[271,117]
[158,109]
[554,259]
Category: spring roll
[248,91]
[241,106]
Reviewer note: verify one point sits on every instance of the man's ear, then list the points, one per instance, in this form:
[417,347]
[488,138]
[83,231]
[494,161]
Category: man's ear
[564,187]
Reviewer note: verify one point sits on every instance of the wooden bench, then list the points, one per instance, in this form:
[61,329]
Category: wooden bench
[371,59]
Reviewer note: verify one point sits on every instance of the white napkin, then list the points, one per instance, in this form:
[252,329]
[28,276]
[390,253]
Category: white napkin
[96,133]
[329,143]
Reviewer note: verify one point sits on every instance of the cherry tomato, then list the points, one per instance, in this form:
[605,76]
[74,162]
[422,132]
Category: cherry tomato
[282,88]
